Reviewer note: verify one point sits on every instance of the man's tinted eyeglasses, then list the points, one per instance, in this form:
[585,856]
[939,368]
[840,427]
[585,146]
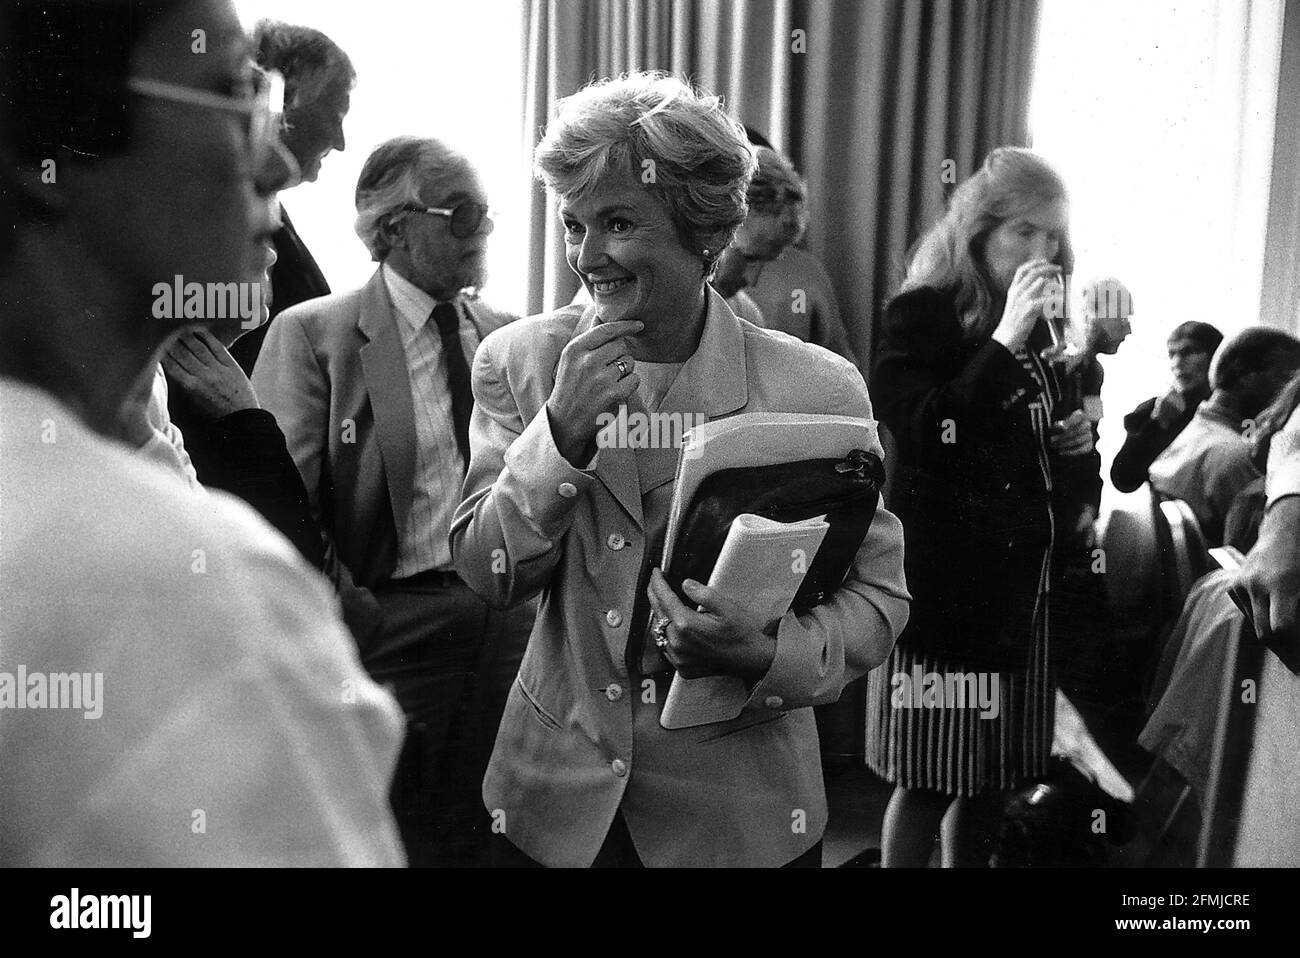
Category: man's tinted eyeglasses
[466,219]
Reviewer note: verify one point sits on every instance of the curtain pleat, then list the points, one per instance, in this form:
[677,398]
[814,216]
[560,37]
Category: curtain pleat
[1280,287]
[886,91]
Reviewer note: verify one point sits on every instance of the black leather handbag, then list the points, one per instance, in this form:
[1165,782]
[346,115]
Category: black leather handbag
[846,490]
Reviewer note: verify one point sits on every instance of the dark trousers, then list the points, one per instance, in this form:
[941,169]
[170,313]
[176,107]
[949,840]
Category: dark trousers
[617,851]
[449,660]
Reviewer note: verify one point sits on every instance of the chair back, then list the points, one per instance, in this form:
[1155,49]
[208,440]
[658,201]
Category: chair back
[1128,541]
[1184,557]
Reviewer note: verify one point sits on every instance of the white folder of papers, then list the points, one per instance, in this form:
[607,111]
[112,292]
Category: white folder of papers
[761,566]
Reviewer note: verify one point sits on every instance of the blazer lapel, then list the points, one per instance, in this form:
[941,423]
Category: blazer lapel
[655,463]
[383,361]
[712,383]
[616,467]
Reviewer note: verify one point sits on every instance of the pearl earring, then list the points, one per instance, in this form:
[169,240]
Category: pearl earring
[705,252]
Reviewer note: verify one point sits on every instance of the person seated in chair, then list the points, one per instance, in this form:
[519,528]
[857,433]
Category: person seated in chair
[1210,462]
[1153,425]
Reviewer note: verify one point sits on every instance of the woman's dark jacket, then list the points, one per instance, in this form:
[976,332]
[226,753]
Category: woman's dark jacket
[244,453]
[971,483]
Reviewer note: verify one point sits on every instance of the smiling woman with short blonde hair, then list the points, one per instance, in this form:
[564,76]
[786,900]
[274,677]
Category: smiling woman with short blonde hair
[683,146]
[583,773]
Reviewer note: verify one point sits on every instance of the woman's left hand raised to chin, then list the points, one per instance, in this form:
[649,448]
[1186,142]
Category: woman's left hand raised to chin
[722,638]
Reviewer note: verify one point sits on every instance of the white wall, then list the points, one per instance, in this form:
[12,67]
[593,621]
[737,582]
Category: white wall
[438,68]
[1159,114]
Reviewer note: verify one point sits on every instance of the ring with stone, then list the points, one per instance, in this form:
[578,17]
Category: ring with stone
[622,368]
[660,632]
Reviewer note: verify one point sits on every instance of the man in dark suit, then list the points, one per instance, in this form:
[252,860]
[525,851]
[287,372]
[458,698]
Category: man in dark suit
[372,390]
[318,79]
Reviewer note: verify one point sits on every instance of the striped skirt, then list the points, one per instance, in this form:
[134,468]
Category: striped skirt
[937,726]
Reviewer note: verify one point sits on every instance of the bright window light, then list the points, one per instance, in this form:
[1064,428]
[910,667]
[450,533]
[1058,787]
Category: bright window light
[1159,115]
[439,68]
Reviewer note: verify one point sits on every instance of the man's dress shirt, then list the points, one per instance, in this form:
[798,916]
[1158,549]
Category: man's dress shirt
[439,466]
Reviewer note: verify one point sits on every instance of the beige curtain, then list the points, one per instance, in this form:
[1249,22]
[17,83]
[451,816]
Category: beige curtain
[868,97]
[1280,287]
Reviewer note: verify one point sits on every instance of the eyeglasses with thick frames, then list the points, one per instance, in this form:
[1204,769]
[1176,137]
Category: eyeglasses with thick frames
[263,110]
[466,219]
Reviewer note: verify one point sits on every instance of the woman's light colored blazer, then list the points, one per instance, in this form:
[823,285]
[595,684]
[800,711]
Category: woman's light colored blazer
[581,734]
